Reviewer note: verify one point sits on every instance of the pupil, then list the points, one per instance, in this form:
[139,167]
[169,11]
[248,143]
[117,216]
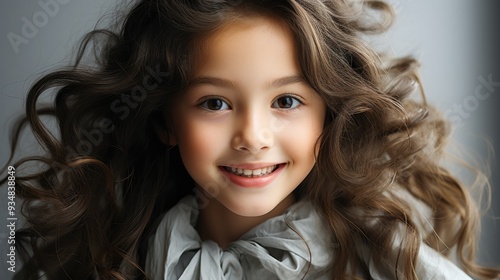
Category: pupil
[285,102]
[214,104]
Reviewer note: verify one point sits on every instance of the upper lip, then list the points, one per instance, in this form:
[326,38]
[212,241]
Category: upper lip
[252,166]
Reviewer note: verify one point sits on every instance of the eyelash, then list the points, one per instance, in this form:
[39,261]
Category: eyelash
[204,103]
[294,97]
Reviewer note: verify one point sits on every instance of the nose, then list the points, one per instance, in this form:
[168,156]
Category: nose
[252,132]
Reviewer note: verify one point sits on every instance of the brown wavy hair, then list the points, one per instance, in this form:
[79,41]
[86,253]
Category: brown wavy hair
[104,177]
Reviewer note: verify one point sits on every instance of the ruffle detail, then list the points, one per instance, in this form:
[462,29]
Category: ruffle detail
[294,245]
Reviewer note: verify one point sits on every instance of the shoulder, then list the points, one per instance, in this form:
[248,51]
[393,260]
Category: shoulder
[430,265]
[174,235]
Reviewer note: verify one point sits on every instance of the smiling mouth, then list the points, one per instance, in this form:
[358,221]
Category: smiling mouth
[251,173]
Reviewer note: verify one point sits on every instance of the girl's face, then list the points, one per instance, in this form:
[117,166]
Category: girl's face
[248,123]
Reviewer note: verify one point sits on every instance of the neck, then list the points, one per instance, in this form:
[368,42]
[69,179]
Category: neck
[219,224]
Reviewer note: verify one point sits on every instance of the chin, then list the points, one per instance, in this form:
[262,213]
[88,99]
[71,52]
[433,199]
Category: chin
[249,209]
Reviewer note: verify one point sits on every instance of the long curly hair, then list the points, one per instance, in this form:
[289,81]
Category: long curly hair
[105,178]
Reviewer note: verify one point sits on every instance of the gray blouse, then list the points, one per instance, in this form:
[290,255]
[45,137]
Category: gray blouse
[294,245]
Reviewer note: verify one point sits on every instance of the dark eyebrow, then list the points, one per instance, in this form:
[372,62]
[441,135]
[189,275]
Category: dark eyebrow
[218,82]
[288,80]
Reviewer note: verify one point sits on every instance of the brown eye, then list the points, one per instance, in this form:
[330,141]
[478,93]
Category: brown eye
[286,102]
[214,104]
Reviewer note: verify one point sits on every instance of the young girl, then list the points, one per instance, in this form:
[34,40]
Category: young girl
[242,140]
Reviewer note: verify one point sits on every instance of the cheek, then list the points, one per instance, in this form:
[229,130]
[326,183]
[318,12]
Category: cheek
[300,137]
[199,142]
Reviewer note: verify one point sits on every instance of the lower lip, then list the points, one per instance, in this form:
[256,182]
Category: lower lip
[253,182]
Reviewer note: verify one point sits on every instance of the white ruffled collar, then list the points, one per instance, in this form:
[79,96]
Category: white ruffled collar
[276,249]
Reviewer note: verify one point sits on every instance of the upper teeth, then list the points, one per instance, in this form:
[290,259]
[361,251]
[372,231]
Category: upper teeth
[252,172]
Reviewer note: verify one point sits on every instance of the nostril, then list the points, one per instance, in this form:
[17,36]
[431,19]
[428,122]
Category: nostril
[253,142]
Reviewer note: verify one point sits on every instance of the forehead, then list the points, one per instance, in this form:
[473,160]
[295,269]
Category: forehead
[247,42]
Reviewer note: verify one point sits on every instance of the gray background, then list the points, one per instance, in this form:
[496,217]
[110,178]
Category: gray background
[456,42]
